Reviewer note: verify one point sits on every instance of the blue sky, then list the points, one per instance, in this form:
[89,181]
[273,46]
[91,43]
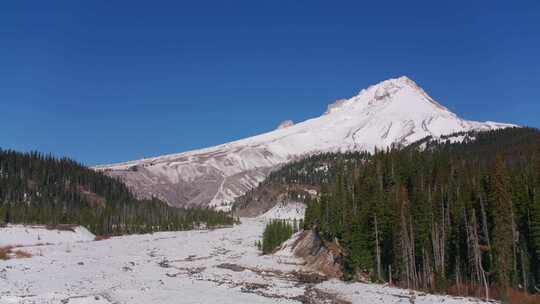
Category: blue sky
[106,81]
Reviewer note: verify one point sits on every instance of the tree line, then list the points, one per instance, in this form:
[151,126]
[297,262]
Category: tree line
[295,181]
[438,215]
[42,189]
[276,232]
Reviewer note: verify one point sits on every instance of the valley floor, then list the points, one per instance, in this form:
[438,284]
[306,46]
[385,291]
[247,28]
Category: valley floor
[218,266]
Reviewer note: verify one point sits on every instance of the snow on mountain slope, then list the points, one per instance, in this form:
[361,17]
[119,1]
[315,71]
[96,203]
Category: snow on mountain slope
[285,211]
[395,111]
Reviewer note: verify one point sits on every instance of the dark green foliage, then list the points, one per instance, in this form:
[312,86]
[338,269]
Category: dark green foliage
[503,221]
[316,169]
[42,189]
[438,214]
[275,233]
[294,178]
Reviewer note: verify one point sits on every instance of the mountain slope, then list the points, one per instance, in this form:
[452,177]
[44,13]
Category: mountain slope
[395,111]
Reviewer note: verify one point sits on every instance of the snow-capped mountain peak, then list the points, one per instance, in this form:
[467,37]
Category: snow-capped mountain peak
[395,111]
[402,90]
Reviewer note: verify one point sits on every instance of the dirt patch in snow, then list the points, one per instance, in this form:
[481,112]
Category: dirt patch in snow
[233,267]
[9,252]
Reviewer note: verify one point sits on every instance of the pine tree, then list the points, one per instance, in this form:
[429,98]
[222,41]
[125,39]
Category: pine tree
[534,216]
[502,225]
[42,189]
[448,215]
[275,233]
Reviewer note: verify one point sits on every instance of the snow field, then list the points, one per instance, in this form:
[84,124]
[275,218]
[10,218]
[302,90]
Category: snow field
[188,267]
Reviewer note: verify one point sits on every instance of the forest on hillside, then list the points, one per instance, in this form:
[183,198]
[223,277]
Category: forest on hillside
[439,216]
[294,181]
[41,189]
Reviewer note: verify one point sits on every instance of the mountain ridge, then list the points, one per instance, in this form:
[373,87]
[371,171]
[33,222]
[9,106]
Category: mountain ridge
[393,112]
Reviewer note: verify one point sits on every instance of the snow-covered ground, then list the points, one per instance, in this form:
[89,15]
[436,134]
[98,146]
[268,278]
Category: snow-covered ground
[217,266]
[20,235]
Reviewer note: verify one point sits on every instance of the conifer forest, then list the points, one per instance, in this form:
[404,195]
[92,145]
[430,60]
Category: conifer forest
[42,189]
[435,215]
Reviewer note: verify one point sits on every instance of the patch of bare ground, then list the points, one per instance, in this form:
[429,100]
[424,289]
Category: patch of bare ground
[309,277]
[9,252]
[233,267]
[252,287]
[102,237]
[4,251]
[310,296]
[308,280]
[61,227]
[192,258]
[20,254]
[302,278]
[317,254]
[78,299]
[189,271]
[316,296]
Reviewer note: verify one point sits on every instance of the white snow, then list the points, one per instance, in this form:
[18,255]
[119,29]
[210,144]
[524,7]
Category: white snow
[285,211]
[287,248]
[395,111]
[217,266]
[28,235]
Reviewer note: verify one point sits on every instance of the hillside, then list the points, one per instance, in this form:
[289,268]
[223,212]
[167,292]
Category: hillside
[294,182]
[439,215]
[40,189]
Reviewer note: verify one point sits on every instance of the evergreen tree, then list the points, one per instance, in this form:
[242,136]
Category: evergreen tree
[275,233]
[502,225]
[41,189]
[437,215]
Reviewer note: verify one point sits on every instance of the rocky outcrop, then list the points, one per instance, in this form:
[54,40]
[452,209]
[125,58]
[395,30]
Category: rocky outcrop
[320,256]
[266,196]
[285,124]
[336,105]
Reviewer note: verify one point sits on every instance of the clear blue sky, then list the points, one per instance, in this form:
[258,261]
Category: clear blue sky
[106,81]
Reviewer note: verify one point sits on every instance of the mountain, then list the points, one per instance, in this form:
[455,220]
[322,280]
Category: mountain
[393,112]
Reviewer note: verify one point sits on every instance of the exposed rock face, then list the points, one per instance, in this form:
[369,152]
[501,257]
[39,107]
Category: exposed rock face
[395,111]
[264,198]
[334,106]
[285,124]
[320,256]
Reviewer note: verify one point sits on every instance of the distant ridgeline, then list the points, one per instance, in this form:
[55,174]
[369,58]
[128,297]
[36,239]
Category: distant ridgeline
[436,215]
[45,190]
